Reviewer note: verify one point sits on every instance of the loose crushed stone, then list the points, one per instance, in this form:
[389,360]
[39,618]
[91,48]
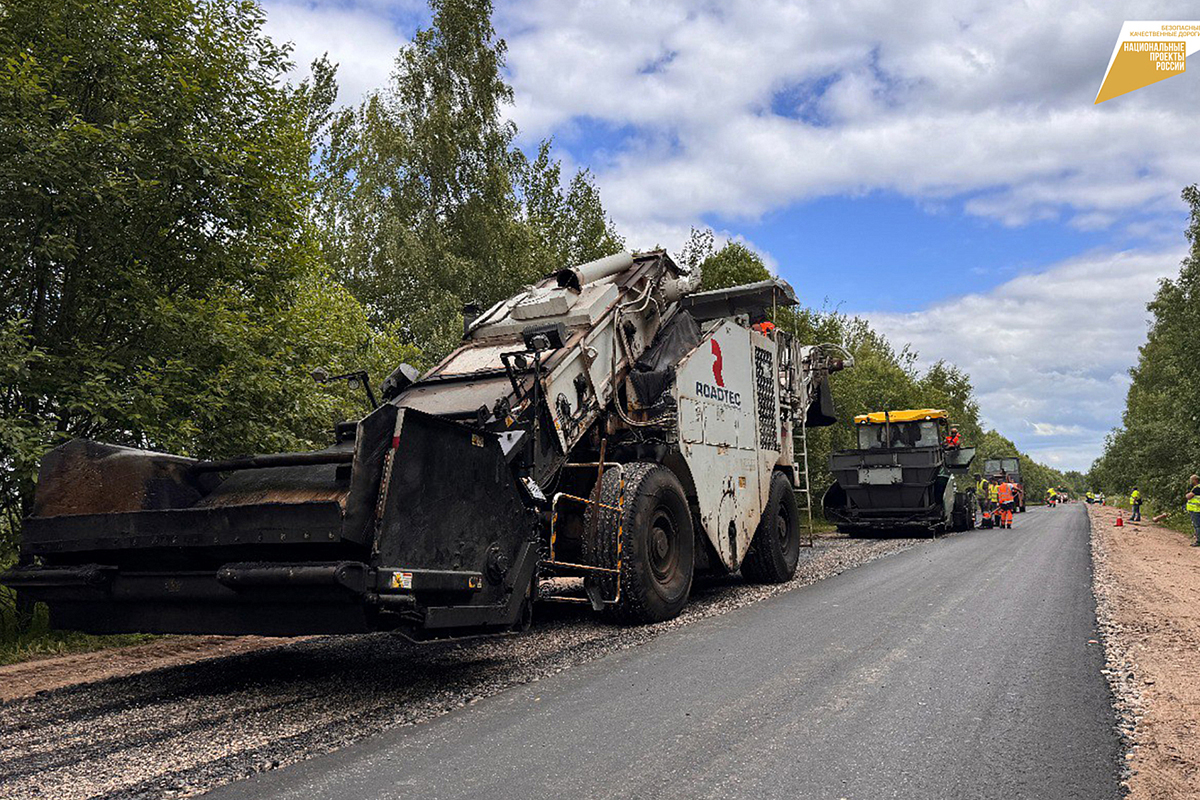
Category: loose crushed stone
[1120,664]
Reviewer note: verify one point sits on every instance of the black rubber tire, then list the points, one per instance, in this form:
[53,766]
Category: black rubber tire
[775,548]
[958,515]
[657,542]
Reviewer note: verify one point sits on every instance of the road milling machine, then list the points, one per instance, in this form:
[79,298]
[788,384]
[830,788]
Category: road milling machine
[901,477]
[608,424]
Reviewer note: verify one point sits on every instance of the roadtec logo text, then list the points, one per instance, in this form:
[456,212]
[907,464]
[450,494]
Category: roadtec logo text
[719,393]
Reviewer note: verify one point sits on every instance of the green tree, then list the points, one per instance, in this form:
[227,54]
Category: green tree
[426,204]
[732,265]
[567,227]
[1074,482]
[157,267]
[1158,445]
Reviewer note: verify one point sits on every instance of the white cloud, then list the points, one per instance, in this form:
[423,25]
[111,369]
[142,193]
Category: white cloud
[1050,429]
[361,38]
[742,107]
[1048,353]
[745,106]
[934,101]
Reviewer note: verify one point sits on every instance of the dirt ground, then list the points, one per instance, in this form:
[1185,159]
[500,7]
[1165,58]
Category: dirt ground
[57,672]
[1148,590]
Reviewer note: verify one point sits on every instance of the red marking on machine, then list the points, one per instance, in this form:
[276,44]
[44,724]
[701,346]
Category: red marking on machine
[716,351]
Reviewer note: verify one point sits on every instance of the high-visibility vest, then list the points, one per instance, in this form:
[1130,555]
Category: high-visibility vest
[1005,491]
[952,440]
[1135,497]
[993,492]
[981,488]
[1194,503]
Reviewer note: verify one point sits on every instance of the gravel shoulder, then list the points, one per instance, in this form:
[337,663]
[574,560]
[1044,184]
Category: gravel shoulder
[58,672]
[173,729]
[1147,584]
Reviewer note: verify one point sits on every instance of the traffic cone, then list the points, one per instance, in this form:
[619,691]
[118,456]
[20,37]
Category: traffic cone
[1120,523]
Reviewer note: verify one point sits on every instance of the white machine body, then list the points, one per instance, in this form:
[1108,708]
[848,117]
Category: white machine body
[737,395]
[732,430]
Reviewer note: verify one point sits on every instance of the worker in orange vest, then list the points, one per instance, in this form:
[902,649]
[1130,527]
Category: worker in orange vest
[765,328]
[1005,494]
[952,441]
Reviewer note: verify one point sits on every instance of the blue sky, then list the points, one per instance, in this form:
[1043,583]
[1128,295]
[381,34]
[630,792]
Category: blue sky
[938,168]
[834,247]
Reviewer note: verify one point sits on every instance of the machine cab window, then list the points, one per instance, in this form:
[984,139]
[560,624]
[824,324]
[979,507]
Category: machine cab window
[924,433]
[872,437]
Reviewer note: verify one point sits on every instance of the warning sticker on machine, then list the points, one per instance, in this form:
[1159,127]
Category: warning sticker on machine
[401,580]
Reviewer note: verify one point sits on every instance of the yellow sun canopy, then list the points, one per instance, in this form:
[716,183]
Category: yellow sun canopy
[908,415]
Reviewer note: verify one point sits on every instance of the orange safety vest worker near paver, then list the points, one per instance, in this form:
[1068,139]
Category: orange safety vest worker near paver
[952,440]
[1004,493]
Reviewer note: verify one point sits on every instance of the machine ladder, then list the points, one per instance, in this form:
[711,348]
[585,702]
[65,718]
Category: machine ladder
[805,487]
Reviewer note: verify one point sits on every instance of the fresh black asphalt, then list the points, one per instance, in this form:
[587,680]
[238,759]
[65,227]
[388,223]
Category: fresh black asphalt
[961,668]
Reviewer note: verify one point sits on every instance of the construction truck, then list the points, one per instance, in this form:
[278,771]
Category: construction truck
[902,477]
[609,425]
[1007,468]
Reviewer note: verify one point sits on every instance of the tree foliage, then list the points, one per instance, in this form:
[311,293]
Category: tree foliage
[1158,445]
[426,204]
[159,279]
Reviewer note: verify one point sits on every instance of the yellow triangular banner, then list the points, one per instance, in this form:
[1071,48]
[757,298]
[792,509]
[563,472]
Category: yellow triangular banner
[1140,64]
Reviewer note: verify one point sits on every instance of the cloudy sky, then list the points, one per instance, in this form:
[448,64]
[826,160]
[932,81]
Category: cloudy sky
[939,169]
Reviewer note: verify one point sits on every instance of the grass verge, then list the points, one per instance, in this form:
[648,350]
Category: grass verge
[28,635]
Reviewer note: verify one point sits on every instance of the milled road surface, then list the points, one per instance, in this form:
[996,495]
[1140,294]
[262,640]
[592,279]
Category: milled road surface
[959,669]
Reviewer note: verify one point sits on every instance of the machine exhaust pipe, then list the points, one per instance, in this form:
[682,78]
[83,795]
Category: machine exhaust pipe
[576,277]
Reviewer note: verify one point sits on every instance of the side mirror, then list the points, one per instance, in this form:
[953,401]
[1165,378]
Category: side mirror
[353,379]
